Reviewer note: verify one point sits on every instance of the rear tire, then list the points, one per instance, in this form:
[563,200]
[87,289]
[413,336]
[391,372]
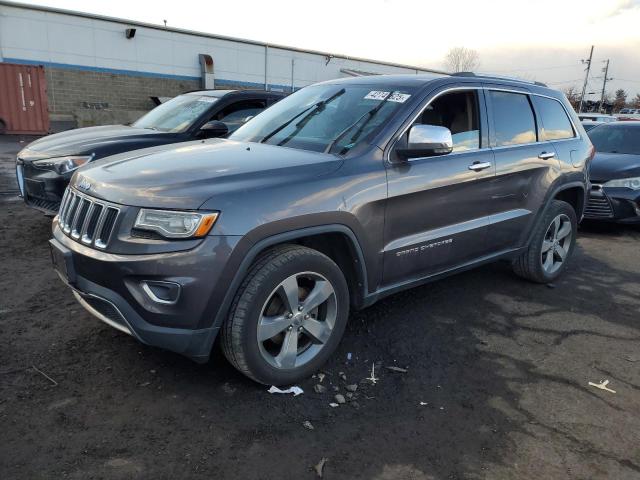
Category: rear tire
[287,317]
[551,245]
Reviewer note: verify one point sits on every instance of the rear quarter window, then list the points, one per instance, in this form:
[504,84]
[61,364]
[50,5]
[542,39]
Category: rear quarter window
[555,122]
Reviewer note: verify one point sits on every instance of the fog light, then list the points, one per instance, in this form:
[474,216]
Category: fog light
[166,293]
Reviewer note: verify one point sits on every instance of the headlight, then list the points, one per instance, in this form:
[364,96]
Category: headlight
[172,224]
[632,183]
[64,164]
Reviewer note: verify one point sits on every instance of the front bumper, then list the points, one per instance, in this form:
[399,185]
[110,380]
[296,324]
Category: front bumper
[111,287]
[41,189]
[613,204]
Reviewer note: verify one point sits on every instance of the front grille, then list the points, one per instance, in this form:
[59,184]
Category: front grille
[86,219]
[42,204]
[598,205]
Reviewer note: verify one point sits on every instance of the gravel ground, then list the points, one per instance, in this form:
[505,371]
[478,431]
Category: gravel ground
[496,387]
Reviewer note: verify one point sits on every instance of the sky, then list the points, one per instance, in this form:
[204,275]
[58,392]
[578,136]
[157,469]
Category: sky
[542,40]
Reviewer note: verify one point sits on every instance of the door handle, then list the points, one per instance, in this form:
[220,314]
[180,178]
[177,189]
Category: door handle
[476,167]
[546,155]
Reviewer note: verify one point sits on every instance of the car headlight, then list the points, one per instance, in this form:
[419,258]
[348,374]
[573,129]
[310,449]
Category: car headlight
[632,183]
[173,224]
[64,164]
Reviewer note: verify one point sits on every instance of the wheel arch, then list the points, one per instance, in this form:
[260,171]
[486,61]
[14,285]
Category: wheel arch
[574,195]
[337,241]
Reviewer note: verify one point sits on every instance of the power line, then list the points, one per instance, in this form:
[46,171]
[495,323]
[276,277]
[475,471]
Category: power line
[564,81]
[535,69]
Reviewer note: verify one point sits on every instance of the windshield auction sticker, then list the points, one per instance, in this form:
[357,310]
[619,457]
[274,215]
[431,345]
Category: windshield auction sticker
[399,97]
[376,95]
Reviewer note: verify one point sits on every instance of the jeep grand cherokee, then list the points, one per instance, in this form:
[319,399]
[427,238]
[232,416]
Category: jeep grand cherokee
[340,194]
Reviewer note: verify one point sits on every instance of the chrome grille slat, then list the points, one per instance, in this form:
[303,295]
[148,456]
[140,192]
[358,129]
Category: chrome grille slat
[86,219]
[76,216]
[72,213]
[103,214]
[103,234]
[64,207]
[79,219]
[87,237]
[63,202]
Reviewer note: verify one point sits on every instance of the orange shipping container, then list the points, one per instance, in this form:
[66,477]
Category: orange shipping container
[23,99]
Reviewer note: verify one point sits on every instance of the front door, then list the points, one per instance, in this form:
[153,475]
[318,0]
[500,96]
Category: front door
[437,207]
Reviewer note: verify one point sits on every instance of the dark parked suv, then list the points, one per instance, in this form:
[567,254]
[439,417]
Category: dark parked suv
[44,167]
[339,195]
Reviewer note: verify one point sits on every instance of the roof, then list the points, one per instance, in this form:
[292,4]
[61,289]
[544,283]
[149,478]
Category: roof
[423,79]
[135,23]
[222,93]
[407,79]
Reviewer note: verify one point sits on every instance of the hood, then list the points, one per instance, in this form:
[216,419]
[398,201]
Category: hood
[100,141]
[610,166]
[184,176]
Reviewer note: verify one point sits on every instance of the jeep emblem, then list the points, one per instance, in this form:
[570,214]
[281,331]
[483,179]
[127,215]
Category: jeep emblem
[84,184]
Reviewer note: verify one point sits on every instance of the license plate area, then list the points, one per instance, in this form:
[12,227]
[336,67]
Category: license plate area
[62,260]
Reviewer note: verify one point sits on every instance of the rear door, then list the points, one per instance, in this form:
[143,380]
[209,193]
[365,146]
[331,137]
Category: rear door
[437,207]
[526,165]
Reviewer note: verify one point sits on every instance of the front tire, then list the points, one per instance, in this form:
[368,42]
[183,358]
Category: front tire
[551,245]
[288,316]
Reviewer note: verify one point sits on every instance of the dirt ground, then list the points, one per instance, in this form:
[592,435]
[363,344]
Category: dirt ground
[497,381]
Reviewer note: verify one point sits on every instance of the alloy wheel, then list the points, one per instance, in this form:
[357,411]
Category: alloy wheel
[556,244]
[297,320]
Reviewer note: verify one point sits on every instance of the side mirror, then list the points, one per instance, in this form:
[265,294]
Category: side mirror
[427,141]
[214,128]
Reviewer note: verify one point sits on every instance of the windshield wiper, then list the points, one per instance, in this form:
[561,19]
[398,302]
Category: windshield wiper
[311,111]
[371,113]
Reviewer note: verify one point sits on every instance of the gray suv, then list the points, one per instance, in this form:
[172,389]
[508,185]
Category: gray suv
[337,196]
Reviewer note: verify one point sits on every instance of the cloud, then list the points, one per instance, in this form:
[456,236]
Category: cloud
[622,7]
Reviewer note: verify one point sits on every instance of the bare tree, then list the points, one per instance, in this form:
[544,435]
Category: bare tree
[636,101]
[461,59]
[573,96]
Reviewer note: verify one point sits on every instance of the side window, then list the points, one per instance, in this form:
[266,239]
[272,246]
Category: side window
[458,111]
[555,123]
[237,114]
[513,118]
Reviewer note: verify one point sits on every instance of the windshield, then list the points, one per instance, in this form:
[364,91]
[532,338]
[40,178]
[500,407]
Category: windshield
[177,114]
[326,118]
[616,139]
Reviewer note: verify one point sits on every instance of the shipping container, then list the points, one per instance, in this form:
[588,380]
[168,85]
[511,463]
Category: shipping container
[23,99]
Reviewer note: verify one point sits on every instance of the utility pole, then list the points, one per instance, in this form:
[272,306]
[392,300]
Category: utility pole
[604,84]
[586,79]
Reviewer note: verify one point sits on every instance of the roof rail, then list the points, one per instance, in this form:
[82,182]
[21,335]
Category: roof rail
[501,77]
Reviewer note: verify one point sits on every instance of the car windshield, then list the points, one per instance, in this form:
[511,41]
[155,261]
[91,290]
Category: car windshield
[616,139]
[177,114]
[329,118]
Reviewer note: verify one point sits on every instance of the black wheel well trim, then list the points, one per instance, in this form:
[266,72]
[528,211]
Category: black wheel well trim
[552,194]
[568,186]
[278,239]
